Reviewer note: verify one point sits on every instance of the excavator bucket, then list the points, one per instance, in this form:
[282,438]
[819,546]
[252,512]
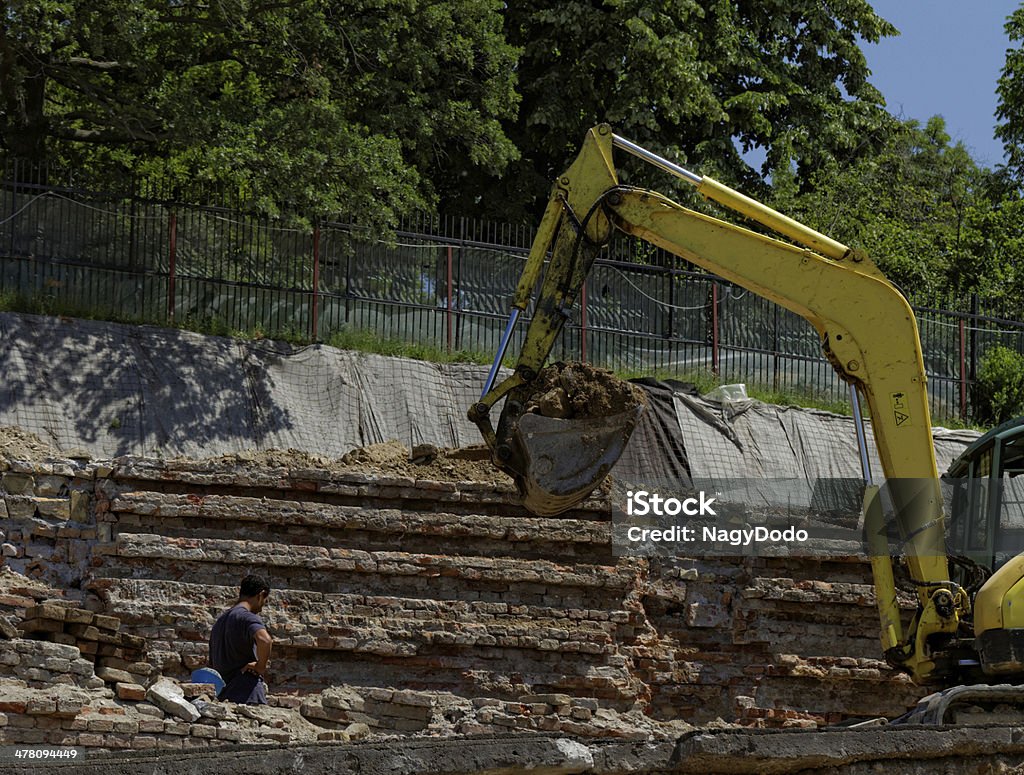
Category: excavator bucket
[564,460]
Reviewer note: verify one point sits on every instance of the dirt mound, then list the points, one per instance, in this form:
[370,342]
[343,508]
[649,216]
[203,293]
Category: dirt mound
[390,455]
[16,444]
[578,390]
[425,462]
[391,458]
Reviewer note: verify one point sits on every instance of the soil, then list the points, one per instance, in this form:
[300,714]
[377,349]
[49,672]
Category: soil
[16,444]
[578,390]
[424,462]
[391,458]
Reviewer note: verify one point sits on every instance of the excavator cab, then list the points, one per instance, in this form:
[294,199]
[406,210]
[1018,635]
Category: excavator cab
[987,513]
[987,529]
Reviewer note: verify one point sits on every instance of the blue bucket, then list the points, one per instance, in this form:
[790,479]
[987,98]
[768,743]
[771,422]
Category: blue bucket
[207,675]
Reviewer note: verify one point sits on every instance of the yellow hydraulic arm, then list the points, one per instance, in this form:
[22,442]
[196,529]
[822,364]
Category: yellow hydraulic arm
[867,329]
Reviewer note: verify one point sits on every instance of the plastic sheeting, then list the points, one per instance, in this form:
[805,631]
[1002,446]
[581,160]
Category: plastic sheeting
[755,453]
[112,389]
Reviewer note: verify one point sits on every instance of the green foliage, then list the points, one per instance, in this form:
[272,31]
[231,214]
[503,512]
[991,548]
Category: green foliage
[374,108]
[692,79]
[326,107]
[704,381]
[921,207]
[371,342]
[1010,90]
[999,391]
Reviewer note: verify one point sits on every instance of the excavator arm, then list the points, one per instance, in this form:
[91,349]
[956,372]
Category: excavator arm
[868,333]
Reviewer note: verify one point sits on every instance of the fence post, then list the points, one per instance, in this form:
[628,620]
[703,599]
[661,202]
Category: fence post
[714,327]
[348,281]
[671,333]
[775,350]
[14,211]
[314,316]
[448,313]
[458,305]
[963,371]
[583,323]
[973,373]
[172,251]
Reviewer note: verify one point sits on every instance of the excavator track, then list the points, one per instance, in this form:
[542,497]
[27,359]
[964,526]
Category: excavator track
[949,706]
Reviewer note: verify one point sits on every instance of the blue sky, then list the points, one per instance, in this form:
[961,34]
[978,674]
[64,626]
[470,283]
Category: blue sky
[946,61]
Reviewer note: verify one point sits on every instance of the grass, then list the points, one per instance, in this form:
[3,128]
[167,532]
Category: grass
[705,381]
[209,325]
[367,341]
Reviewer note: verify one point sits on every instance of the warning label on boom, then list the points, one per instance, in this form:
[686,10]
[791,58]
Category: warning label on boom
[900,410]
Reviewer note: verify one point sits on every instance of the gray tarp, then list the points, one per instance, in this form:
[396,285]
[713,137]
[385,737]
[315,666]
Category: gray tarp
[755,453]
[114,389]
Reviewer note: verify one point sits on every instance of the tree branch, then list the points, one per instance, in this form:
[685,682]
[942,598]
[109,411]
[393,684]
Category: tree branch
[92,63]
[108,135]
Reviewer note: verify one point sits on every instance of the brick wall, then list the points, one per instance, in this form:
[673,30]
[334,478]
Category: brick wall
[453,591]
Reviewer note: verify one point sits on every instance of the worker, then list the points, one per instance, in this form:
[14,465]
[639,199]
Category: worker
[240,645]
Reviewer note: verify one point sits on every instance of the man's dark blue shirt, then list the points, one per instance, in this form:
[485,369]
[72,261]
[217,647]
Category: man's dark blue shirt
[232,647]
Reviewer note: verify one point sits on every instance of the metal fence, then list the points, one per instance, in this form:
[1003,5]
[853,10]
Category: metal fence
[440,282]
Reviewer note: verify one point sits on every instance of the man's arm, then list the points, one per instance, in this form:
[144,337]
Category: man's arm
[264,643]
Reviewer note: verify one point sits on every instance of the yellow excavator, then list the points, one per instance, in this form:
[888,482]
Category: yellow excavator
[961,628]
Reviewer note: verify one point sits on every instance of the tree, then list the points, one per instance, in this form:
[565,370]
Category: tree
[325,106]
[1010,90]
[917,207]
[702,81]
[999,392]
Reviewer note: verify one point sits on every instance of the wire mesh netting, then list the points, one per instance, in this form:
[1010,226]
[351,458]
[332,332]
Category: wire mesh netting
[442,283]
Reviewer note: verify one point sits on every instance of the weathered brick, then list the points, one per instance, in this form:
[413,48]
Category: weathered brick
[151,725]
[176,727]
[41,625]
[192,690]
[109,623]
[78,616]
[130,691]
[203,730]
[113,675]
[46,611]
[100,724]
[17,483]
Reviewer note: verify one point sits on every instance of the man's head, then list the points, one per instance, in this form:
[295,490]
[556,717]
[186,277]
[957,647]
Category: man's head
[254,590]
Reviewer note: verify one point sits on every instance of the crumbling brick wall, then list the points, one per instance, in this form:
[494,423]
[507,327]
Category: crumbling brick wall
[450,589]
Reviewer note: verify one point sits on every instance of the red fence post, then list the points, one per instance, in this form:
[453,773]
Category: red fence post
[172,250]
[448,314]
[316,285]
[714,328]
[963,371]
[583,323]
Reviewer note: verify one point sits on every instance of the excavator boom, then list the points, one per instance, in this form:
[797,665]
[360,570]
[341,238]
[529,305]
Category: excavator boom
[868,333]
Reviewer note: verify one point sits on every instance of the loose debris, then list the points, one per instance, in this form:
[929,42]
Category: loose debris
[578,390]
[391,458]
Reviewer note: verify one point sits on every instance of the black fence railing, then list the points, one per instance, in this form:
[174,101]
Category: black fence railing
[442,282]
